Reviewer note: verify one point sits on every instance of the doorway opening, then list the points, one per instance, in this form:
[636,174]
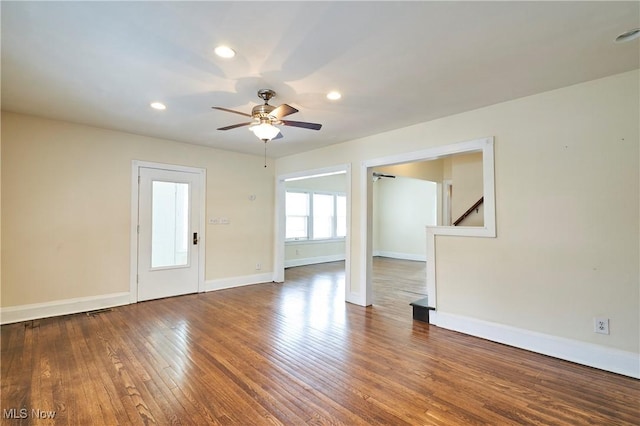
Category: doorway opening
[313,217]
[403,205]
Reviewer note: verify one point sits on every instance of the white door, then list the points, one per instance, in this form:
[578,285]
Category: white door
[168,235]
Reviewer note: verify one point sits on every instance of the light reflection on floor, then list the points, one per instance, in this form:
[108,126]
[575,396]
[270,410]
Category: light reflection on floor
[313,308]
[312,303]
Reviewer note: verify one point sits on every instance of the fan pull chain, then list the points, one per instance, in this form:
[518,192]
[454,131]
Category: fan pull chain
[265,154]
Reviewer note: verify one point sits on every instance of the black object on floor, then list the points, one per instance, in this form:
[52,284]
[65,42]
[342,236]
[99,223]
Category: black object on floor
[421,309]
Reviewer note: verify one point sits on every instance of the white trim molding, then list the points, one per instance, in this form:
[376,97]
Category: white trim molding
[313,260]
[231,282]
[356,298]
[55,308]
[12,314]
[402,256]
[592,355]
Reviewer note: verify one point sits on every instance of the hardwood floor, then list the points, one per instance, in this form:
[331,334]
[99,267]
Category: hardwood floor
[292,354]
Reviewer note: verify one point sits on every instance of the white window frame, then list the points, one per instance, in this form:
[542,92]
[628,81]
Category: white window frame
[334,221]
[308,216]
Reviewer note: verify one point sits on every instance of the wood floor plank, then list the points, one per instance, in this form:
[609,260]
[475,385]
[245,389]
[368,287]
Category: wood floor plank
[85,399]
[293,354]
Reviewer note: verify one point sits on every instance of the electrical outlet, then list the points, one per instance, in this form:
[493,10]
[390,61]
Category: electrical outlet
[601,325]
[258,266]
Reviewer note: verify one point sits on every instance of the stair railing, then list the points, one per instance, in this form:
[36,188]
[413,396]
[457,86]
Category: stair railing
[468,212]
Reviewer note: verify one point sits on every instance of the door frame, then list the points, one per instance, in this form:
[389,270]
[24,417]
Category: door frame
[280,219]
[133,232]
[447,186]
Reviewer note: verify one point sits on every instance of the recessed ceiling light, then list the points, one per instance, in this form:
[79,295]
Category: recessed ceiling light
[628,36]
[158,105]
[225,52]
[334,96]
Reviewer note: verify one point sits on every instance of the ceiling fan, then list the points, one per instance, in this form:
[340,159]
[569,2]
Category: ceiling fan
[265,117]
[377,176]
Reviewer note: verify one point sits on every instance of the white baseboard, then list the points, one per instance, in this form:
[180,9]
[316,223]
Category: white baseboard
[313,260]
[402,256]
[231,282]
[12,314]
[592,355]
[33,311]
[355,298]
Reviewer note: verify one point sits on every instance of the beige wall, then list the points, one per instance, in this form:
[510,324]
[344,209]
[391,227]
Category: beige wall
[567,197]
[466,178]
[297,253]
[402,208]
[66,210]
[332,183]
[427,170]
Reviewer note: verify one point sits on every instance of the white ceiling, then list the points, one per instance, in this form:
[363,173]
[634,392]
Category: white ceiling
[396,63]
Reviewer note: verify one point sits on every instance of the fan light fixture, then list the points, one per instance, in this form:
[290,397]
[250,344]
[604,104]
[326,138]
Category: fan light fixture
[334,96]
[265,131]
[158,105]
[225,52]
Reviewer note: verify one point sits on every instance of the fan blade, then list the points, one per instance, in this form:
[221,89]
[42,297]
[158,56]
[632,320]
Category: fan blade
[230,110]
[312,126]
[283,110]
[278,136]
[233,126]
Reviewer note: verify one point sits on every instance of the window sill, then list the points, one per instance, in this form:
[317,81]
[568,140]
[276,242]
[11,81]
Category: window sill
[327,240]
